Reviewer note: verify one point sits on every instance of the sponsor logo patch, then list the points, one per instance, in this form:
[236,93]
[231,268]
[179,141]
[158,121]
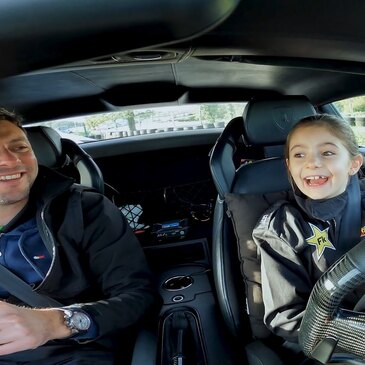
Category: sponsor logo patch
[320,240]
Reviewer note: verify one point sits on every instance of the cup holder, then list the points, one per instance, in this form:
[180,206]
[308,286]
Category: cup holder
[178,283]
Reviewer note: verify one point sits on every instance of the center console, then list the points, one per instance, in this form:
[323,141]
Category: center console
[190,330]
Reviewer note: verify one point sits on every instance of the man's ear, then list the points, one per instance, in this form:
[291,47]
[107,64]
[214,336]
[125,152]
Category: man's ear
[356,164]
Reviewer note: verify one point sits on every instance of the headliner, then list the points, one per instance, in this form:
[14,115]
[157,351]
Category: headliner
[263,47]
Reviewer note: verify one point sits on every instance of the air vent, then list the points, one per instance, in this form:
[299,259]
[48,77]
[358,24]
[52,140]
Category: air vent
[143,56]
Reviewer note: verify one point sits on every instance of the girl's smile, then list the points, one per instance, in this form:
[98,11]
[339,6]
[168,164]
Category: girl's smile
[319,163]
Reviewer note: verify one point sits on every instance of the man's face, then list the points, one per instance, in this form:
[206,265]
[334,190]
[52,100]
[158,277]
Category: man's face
[319,163]
[18,164]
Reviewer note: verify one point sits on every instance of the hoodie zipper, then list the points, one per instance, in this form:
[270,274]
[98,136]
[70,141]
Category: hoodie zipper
[48,235]
[50,239]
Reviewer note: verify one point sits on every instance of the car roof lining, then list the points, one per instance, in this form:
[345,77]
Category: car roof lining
[246,49]
[38,34]
[60,94]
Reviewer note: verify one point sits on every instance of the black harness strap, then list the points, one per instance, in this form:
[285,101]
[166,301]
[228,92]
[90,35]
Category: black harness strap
[349,234]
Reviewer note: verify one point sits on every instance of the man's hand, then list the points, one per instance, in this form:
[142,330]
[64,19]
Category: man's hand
[25,328]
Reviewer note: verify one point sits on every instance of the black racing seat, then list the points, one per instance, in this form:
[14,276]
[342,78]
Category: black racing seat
[59,153]
[245,190]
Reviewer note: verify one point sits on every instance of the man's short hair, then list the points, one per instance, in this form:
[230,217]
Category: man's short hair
[11,117]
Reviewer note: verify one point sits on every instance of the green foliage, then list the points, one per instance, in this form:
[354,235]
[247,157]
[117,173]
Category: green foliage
[360,135]
[220,112]
[129,115]
[94,121]
[352,105]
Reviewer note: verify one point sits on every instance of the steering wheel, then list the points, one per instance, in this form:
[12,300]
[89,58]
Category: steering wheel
[329,332]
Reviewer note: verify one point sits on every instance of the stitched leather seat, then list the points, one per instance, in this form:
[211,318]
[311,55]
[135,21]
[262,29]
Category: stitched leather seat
[58,153]
[244,192]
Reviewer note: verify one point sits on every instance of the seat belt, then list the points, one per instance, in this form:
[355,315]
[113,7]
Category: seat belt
[351,225]
[349,234]
[23,291]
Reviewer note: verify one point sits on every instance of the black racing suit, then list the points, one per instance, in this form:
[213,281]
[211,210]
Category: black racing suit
[297,242]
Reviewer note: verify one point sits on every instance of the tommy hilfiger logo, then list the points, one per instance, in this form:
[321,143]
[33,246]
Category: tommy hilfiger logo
[320,240]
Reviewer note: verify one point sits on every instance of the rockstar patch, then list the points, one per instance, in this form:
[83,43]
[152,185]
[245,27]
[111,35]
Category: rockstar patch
[320,240]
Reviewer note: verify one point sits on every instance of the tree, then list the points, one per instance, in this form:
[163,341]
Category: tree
[129,115]
[351,105]
[221,112]
[94,121]
[212,112]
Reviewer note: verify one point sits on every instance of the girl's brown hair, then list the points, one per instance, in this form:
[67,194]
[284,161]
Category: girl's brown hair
[335,125]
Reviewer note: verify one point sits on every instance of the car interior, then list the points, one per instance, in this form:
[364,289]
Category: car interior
[192,196]
[58,153]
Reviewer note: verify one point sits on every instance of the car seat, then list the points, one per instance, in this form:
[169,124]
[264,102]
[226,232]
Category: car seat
[59,153]
[246,188]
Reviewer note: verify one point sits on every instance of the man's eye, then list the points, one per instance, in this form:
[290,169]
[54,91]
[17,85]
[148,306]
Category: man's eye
[21,148]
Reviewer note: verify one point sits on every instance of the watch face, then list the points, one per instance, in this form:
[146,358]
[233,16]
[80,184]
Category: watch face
[80,321]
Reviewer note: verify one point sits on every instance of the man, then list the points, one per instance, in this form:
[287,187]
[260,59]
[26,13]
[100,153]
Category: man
[72,245]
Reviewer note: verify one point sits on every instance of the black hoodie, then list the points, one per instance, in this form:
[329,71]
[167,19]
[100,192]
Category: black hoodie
[97,260]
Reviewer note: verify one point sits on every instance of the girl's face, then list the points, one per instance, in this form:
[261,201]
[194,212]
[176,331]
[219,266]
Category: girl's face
[319,163]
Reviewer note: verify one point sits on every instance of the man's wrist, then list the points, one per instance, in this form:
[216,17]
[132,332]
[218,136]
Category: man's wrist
[76,320]
[55,323]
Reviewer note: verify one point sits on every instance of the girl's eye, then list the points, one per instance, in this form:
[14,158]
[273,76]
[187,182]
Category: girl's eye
[298,155]
[328,153]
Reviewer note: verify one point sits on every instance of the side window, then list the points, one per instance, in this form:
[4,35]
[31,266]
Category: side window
[353,109]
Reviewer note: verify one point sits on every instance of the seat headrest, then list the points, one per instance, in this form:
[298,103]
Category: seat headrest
[267,122]
[46,144]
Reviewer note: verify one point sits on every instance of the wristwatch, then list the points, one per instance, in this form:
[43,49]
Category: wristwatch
[76,320]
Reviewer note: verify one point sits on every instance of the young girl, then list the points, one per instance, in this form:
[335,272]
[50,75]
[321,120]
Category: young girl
[299,240]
